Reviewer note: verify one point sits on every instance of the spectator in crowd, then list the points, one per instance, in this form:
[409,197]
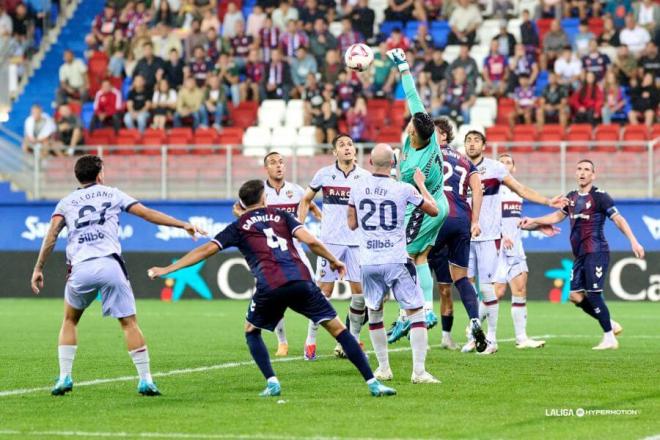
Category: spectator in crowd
[173,69]
[229,77]
[292,39]
[213,45]
[195,38]
[427,10]
[210,20]
[438,68]
[346,90]
[416,63]
[528,33]
[626,65]
[200,67]
[133,15]
[129,64]
[301,65]
[348,36]
[164,40]
[553,103]
[582,9]
[312,99]
[506,41]
[495,72]
[164,15]
[645,98]
[321,41]
[105,23]
[232,16]
[568,68]
[356,119]
[554,41]
[596,62]
[383,77]
[283,14]
[38,131]
[521,63]
[587,100]
[254,75]
[610,34]
[163,104]
[69,131]
[149,65]
[215,102]
[363,18]
[107,107]
[423,43]
[501,8]
[464,21]
[141,37]
[331,68]
[6,24]
[524,102]
[277,80]
[634,36]
[399,10]
[548,9]
[647,15]
[582,39]
[23,25]
[269,39]
[397,40]
[614,101]
[201,6]
[426,92]
[650,62]
[116,47]
[467,63]
[190,104]
[309,14]
[138,105]
[618,9]
[326,123]
[256,21]
[459,98]
[73,79]
[185,14]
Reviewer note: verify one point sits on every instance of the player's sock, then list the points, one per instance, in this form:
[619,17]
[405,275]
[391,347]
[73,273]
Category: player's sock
[519,316]
[426,283]
[468,297]
[259,353]
[140,358]
[66,355]
[354,354]
[492,310]
[312,329]
[280,332]
[379,338]
[483,311]
[601,310]
[447,321]
[356,314]
[586,306]
[419,341]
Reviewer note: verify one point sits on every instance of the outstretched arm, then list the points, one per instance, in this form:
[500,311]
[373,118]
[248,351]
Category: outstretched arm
[56,225]
[398,57]
[622,224]
[160,218]
[528,193]
[195,256]
[531,224]
[303,207]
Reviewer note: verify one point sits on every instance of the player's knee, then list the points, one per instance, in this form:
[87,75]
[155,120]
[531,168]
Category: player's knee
[576,297]
[128,322]
[249,328]
[376,316]
[500,290]
[445,292]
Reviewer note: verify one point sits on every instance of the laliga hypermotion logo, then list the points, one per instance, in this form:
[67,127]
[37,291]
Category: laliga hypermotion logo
[561,281]
[177,282]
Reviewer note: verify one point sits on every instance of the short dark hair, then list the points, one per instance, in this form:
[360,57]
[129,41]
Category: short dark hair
[423,124]
[268,155]
[87,168]
[444,126]
[251,192]
[509,156]
[336,139]
[478,133]
[593,167]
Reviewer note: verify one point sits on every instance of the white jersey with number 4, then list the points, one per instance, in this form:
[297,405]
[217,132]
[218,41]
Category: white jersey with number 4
[380,203]
[492,174]
[92,220]
[511,213]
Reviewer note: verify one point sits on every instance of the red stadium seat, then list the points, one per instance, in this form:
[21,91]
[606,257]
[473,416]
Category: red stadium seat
[206,141]
[525,135]
[596,25]
[178,140]
[244,117]
[389,135]
[581,128]
[376,117]
[635,133]
[543,25]
[548,135]
[578,140]
[610,137]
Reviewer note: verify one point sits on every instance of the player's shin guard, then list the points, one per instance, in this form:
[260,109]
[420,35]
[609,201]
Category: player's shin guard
[426,283]
[468,297]
[447,322]
[312,329]
[519,317]
[281,332]
[355,354]
[601,311]
[66,354]
[259,352]
[419,341]
[379,338]
[356,315]
[492,310]
[140,357]
[587,308]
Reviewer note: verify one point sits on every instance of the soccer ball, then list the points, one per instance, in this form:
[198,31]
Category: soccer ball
[359,57]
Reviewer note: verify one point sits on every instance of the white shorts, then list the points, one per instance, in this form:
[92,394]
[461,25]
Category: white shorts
[104,275]
[377,280]
[509,267]
[484,256]
[349,255]
[303,257]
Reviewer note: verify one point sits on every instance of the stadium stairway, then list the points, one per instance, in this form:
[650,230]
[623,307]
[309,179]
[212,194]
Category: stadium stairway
[42,86]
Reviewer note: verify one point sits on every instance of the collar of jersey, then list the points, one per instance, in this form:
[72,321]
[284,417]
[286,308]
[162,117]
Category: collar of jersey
[379,175]
[85,187]
[342,171]
[276,190]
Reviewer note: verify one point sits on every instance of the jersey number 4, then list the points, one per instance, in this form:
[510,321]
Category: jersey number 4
[86,211]
[370,205]
[274,241]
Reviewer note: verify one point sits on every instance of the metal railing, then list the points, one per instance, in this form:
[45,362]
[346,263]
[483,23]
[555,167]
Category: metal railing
[624,169]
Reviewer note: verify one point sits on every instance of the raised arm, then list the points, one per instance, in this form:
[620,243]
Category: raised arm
[622,224]
[528,193]
[160,218]
[306,200]
[477,198]
[56,225]
[398,57]
[195,256]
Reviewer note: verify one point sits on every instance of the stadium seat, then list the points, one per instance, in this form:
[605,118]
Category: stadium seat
[387,27]
[440,33]
[450,53]
[479,53]
[486,31]
[295,114]
[543,26]
[489,103]
[524,135]
[182,132]
[581,128]
[271,113]
[513,27]
[336,28]
[388,134]
[578,140]
[635,133]
[178,140]
[305,141]
[206,138]
[551,138]
[607,140]
[482,116]
[256,141]
[243,117]
[282,140]
[498,133]
[596,25]
[410,30]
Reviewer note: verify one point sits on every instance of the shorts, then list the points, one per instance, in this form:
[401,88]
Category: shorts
[451,247]
[484,256]
[509,267]
[267,308]
[349,255]
[589,272]
[105,275]
[400,277]
[422,229]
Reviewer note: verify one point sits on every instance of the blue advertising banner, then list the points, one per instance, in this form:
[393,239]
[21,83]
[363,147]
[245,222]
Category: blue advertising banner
[24,225]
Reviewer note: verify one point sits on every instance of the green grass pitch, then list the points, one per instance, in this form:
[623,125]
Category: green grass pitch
[210,386]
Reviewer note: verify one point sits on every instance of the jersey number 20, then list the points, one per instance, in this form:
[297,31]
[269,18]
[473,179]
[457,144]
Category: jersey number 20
[370,205]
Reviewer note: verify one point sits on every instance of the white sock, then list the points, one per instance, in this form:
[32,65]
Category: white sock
[66,355]
[311,333]
[379,338]
[519,316]
[280,332]
[140,358]
[609,336]
[356,315]
[492,310]
[445,334]
[483,312]
[428,305]
[273,379]
[419,341]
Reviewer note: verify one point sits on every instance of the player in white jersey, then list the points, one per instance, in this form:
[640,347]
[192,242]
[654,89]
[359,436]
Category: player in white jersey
[376,209]
[336,182]
[286,196]
[93,253]
[484,249]
[512,264]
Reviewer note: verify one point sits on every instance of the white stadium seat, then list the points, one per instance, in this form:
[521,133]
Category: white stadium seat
[450,53]
[487,30]
[283,140]
[271,113]
[294,116]
[482,116]
[256,141]
[529,5]
[488,102]
[305,141]
[513,26]
[479,53]
[335,28]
